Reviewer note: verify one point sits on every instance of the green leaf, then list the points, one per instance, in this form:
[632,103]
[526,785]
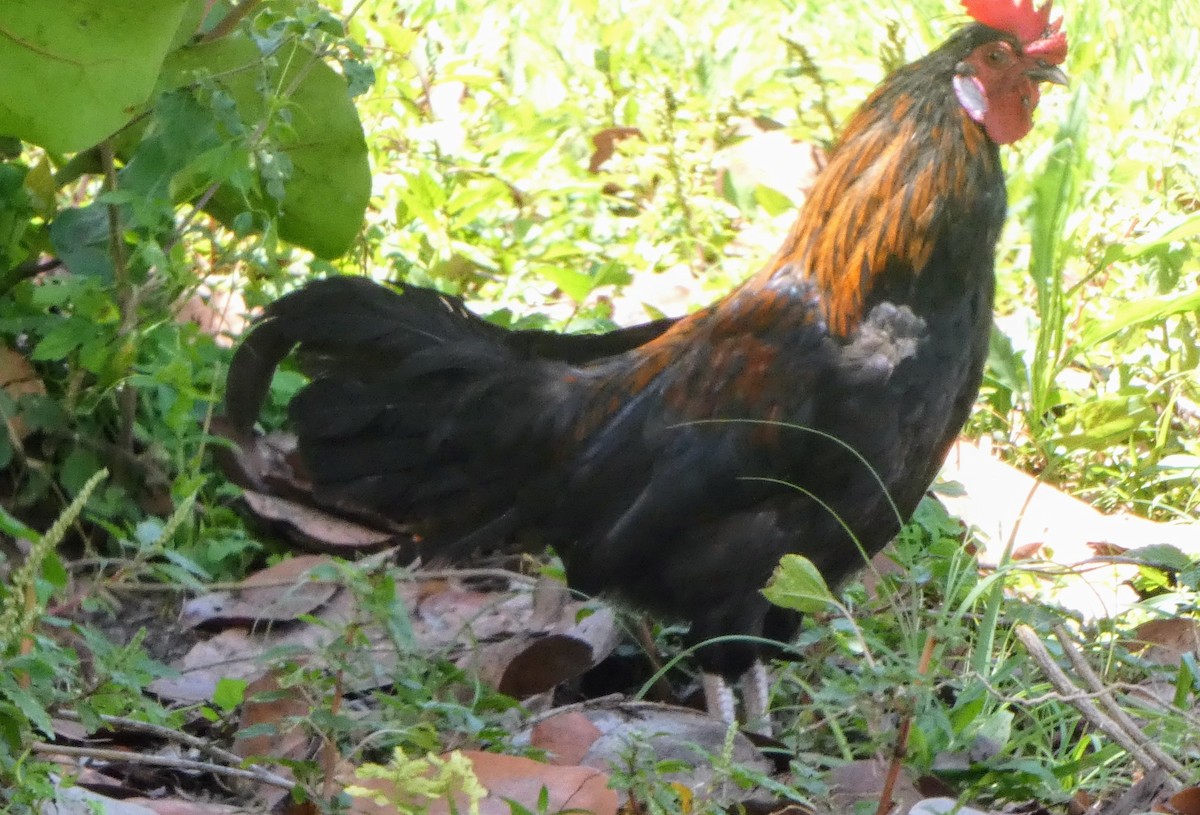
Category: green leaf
[797,584]
[1182,230]
[575,285]
[1098,422]
[326,192]
[80,465]
[229,693]
[738,192]
[1139,312]
[77,70]
[63,339]
[54,572]
[80,237]
[1160,556]
[28,706]
[15,527]
[773,201]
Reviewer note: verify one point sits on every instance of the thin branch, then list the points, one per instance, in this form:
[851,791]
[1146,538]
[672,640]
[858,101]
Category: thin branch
[187,739]
[126,757]
[1119,716]
[230,21]
[127,301]
[900,750]
[1087,709]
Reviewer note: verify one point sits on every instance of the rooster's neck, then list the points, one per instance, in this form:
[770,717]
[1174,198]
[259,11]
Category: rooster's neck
[910,171]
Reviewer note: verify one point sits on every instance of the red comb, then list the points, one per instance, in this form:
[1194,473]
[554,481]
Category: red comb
[1031,26]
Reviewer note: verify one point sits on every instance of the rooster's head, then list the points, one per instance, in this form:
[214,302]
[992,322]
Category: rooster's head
[997,83]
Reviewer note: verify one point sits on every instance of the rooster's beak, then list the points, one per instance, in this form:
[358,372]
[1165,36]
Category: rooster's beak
[1048,73]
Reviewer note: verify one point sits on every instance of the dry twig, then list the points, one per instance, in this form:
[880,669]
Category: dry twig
[1134,745]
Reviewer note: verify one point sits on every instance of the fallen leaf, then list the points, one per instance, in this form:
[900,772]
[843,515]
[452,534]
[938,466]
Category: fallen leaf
[178,806]
[279,593]
[252,461]
[69,800]
[944,806]
[566,737]
[1166,641]
[666,733]
[268,705]
[315,527]
[543,663]
[858,781]
[1005,505]
[218,311]
[604,144]
[232,654]
[1185,802]
[18,378]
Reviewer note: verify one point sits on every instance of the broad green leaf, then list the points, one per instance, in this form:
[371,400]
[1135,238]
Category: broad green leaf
[229,693]
[1100,421]
[798,585]
[54,572]
[326,194]
[1160,556]
[77,70]
[1149,310]
[64,338]
[575,285]
[80,237]
[738,192]
[29,706]
[1185,229]
[773,201]
[15,527]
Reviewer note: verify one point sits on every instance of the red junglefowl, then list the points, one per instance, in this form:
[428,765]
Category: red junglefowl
[673,464]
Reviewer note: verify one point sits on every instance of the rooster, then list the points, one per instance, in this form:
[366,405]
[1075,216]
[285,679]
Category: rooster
[673,464]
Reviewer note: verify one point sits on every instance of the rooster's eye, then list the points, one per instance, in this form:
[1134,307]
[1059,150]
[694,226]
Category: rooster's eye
[998,57]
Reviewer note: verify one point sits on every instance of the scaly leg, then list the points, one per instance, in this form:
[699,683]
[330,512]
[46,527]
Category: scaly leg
[718,697]
[756,697]
[755,686]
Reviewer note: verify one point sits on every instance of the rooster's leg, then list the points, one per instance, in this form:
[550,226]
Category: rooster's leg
[718,697]
[756,695]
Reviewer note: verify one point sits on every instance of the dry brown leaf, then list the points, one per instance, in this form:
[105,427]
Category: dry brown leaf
[315,527]
[1004,504]
[252,461]
[1167,641]
[1028,551]
[945,806]
[1184,802]
[218,311]
[604,144]
[68,730]
[70,800]
[864,780]
[232,654]
[18,378]
[267,704]
[566,737]
[543,663]
[666,732]
[279,593]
